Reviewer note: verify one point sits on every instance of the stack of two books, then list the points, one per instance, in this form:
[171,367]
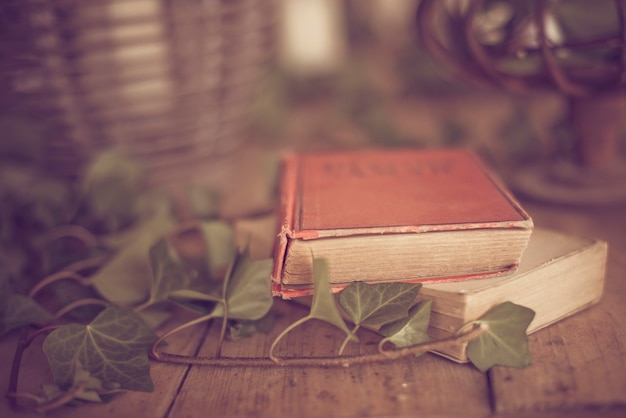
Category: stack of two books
[436,217]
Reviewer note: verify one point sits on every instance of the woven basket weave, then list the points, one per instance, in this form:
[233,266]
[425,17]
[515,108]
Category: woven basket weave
[167,81]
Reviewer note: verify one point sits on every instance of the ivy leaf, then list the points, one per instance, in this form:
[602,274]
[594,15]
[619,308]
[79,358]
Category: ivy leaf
[126,278]
[17,310]
[409,331]
[504,342]
[112,185]
[168,273]
[155,315]
[378,304]
[247,290]
[324,306]
[196,300]
[203,202]
[83,378]
[112,348]
[220,241]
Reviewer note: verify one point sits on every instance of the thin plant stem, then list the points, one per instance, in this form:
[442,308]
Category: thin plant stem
[14,376]
[70,231]
[86,263]
[143,305]
[61,275]
[62,400]
[22,344]
[348,339]
[220,344]
[78,303]
[336,361]
[284,332]
[158,355]
[44,330]
[461,337]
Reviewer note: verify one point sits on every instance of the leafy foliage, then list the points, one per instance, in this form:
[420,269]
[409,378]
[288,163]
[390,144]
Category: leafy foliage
[112,348]
[411,330]
[220,241]
[168,274]
[245,291]
[379,304]
[203,202]
[323,307]
[111,186]
[504,341]
[84,389]
[17,310]
[126,279]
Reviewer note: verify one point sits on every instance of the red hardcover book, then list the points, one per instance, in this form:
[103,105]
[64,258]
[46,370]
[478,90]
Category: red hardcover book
[394,215]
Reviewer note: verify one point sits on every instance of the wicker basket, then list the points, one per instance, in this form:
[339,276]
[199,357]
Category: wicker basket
[168,81]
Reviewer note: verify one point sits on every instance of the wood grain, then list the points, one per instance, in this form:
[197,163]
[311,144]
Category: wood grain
[385,389]
[579,366]
[579,363]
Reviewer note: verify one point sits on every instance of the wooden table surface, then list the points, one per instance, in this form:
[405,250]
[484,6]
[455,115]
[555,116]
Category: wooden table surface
[579,366]
[578,369]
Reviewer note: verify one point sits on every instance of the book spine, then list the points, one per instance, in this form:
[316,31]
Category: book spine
[286,226]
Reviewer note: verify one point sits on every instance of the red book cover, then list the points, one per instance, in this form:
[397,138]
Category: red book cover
[350,193]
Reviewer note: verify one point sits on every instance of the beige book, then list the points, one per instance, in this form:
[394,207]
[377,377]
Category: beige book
[559,275]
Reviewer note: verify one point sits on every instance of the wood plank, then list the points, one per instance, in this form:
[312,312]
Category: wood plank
[35,371]
[399,388]
[580,362]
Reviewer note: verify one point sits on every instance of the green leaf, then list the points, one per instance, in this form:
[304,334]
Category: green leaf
[197,300]
[168,273]
[31,198]
[126,279]
[112,186]
[324,306]
[112,348]
[17,310]
[378,304]
[203,202]
[504,341]
[155,315]
[409,331]
[247,288]
[220,241]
